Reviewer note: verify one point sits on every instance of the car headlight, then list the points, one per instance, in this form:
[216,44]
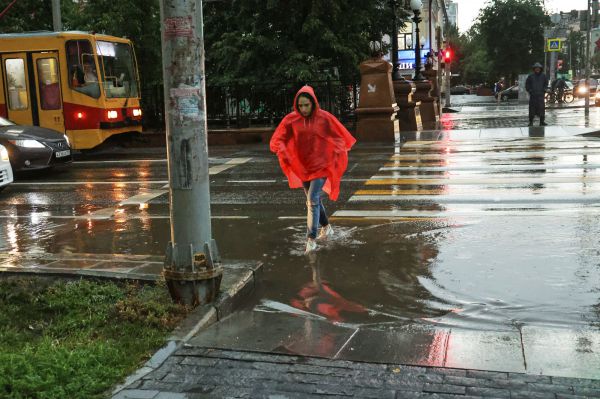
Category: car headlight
[582,90]
[67,139]
[27,143]
[3,153]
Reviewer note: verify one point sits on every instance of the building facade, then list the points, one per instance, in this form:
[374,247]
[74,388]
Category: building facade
[452,11]
[431,36]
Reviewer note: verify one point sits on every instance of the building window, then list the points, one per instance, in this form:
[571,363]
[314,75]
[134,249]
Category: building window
[405,41]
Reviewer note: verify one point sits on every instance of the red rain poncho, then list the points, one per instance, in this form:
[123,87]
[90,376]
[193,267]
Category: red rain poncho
[312,147]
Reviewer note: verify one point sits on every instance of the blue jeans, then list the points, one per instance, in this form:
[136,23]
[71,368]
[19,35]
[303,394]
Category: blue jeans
[316,211]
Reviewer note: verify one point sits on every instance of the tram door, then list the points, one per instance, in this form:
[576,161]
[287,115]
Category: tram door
[46,74]
[16,78]
[33,89]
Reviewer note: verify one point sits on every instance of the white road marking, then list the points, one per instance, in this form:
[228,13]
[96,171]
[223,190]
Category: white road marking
[143,198]
[79,183]
[480,199]
[127,161]
[252,181]
[139,199]
[105,213]
[391,214]
[488,181]
[92,216]
[545,166]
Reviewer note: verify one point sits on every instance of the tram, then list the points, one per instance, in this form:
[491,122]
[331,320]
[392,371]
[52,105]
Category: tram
[85,85]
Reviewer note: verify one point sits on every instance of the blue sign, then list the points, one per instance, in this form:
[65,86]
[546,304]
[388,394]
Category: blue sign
[406,58]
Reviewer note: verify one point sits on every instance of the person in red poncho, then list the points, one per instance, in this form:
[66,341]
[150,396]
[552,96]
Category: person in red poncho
[312,147]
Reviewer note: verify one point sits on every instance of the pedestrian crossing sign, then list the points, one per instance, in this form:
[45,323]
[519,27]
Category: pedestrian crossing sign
[554,45]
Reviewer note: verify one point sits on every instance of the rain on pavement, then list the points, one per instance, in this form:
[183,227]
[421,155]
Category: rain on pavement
[474,249]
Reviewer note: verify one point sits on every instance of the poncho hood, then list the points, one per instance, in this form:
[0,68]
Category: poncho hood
[313,147]
[310,91]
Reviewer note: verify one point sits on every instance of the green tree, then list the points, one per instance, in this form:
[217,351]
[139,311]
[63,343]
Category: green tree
[513,33]
[254,41]
[138,20]
[574,56]
[26,15]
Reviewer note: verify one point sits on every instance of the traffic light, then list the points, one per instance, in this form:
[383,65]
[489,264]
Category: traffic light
[447,55]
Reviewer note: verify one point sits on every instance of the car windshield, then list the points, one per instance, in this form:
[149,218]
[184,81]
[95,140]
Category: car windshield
[119,76]
[5,122]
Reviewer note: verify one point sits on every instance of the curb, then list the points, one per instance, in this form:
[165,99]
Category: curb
[200,318]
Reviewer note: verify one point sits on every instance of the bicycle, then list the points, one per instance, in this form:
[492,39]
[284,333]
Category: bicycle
[551,97]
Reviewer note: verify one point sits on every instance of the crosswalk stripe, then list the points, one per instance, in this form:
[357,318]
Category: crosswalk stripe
[481,181]
[492,167]
[532,197]
[399,192]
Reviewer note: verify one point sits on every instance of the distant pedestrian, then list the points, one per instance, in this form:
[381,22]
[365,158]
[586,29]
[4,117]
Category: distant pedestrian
[312,147]
[498,87]
[536,85]
[560,87]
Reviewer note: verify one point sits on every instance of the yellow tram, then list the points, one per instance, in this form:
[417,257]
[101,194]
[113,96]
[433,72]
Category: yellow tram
[82,84]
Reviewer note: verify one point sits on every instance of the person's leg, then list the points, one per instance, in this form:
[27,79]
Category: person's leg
[313,204]
[323,219]
[542,112]
[531,111]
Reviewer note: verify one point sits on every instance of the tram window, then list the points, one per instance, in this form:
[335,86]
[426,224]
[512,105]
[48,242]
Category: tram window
[117,69]
[18,98]
[82,68]
[48,83]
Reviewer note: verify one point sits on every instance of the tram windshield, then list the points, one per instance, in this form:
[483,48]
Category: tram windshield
[117,69]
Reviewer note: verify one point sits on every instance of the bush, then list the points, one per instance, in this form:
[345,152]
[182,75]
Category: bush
[77,339]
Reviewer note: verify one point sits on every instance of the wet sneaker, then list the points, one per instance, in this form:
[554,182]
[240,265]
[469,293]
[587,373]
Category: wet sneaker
[311,245]
[325,232]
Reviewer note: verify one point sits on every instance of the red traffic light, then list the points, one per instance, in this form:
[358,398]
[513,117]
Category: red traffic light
[447,55]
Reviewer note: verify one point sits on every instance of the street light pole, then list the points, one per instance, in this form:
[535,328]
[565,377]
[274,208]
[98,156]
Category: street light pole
[416,7]
[56,16]
[191,269]
[395,67]
[587,59]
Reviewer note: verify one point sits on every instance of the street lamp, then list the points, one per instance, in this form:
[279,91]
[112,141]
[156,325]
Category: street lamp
[416,6]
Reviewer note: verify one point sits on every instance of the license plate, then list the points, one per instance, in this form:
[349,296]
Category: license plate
[65,153]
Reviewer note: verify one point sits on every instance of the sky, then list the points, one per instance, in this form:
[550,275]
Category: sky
[469,9]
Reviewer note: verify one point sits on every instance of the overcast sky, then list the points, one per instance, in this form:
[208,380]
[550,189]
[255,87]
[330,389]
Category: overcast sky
[469,9]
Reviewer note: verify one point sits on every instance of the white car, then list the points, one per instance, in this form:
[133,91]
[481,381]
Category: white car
[6,175]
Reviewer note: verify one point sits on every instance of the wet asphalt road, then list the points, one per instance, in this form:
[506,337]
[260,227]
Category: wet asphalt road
[475,230]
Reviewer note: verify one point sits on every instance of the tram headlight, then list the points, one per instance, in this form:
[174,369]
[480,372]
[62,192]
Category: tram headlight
[112,114]
[137,112]
[27,143]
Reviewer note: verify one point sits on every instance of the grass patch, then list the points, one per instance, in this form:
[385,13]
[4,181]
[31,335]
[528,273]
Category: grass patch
[77,339]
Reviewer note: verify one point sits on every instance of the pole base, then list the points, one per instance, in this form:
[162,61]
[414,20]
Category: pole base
[194,288]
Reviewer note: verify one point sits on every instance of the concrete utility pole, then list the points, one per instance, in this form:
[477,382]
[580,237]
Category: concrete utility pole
[56,17]
[587,58]
[191,270]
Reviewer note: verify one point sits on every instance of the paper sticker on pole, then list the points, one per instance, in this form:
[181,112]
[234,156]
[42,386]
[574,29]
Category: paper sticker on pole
[179,27]
[554,45]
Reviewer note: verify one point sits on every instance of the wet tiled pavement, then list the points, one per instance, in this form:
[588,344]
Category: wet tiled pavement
[212,373]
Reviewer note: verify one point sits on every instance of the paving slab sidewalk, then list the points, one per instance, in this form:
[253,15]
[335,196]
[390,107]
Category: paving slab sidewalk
[192,373]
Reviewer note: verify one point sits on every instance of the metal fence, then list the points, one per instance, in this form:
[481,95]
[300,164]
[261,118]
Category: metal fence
[266,104]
